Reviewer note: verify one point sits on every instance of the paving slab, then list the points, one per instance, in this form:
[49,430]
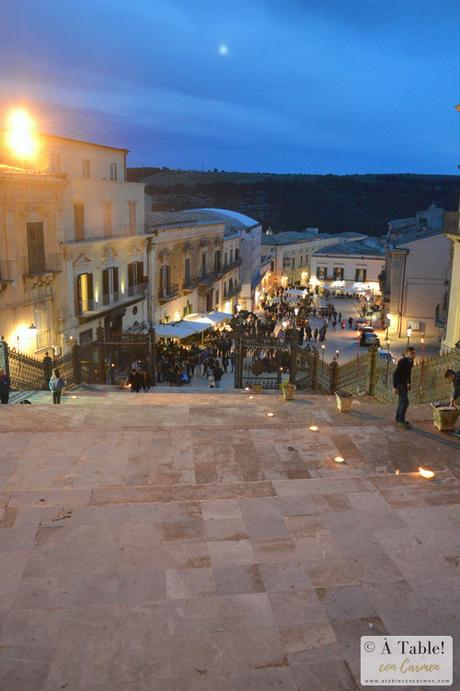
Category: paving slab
[185,540]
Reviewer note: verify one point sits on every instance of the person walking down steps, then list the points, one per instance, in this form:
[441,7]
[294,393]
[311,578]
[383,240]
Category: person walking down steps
[56,386]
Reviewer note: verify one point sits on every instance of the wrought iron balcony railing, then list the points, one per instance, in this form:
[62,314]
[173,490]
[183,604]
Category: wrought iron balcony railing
[232,265]
[96,233]
[230,292]
[42,264]
[167,293]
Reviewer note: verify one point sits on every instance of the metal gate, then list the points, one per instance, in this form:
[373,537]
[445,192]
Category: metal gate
[261,361]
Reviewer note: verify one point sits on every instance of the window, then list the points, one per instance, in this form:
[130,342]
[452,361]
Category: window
[55,163]
[293,263]
[216,298]
[226,259]
[164,280]
[217,261]
[107,218]
[86,168]
[338,273]
[360,275]
[79,220]
[209,300]
[187,309]
[203,264]
[321,273]
[84,293]
[132,213]
[286,262]
[187,272]
[36,248]
[237,253]
[113,171]
[231,256]
[135,278]
[110,285]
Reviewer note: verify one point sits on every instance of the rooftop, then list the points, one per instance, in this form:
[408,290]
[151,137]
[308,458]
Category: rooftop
[370,247]
[291,237]
[414,235]
[188,541]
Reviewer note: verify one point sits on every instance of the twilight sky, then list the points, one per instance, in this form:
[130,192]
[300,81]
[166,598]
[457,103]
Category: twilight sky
[313,86]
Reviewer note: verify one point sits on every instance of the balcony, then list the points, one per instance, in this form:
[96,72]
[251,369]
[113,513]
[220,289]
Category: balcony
[206,279]
[39,265]
[84,307]
[138,289]
[111,298]
[190,284]
[168,293]
[6,272]
[98,233]
[232,265]
[231,292]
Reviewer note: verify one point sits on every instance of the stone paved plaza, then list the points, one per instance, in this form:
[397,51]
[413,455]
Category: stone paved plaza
[189,542]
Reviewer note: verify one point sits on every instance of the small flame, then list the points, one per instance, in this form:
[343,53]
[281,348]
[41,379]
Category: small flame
[270,414]
[339,459]
[313,428]
[428,474]
[397,472]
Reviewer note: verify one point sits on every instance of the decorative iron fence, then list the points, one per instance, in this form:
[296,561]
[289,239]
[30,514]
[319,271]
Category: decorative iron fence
[26,373]
[354,376]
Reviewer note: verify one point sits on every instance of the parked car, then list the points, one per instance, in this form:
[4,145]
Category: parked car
[369,338]
[361,324]
[386,355]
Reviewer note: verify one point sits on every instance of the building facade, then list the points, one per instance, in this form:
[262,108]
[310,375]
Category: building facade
[416,275]
[451,322]
[31,205]
[349,266]
[73,237]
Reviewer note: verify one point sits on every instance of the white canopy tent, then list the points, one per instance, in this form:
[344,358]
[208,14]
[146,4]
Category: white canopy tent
[210,318]
[180,329]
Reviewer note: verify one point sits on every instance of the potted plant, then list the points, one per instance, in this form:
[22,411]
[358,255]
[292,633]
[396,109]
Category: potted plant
[343,401]
[288,390]
[444,416]
[257,388]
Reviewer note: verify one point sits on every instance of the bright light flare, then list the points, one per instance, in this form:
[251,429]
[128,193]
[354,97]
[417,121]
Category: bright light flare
[339,459]
[428,474]
[313,428]
[21,137]
[270,414]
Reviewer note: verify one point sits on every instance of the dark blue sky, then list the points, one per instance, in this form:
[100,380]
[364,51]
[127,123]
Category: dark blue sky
[313,86]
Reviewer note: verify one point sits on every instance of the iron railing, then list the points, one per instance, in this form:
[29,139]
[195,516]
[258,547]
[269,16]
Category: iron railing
[42,264]
[168,293]
[91,233]
[232,265]
[230,292]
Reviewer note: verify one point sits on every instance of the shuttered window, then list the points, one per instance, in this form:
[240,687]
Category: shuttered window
[36,248]
[79,220]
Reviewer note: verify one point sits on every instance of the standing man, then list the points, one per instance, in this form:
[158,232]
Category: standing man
[4,386]
[455,402]
[401,384]
[48,365]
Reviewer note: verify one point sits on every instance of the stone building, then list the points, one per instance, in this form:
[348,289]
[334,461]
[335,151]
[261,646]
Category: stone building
[450,318]
[415,278]
[349,266]
[72,242]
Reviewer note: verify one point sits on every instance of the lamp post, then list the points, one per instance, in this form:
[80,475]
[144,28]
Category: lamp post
[409,334]
[323,348]
[337,353]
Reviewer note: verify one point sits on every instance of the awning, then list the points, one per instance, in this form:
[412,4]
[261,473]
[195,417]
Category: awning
[180,329]
[210,318]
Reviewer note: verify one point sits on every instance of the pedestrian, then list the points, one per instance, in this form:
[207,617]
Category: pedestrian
[217,372]
[233,359]
[301,335]
[454,377]
[350,322]
[48,367]
[56,386]
[315,335]
[4,386]
[401,384]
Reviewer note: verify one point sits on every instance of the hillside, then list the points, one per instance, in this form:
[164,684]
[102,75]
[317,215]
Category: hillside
[333,203]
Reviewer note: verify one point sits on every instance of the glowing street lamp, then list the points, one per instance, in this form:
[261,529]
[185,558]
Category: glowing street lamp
[21,137]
